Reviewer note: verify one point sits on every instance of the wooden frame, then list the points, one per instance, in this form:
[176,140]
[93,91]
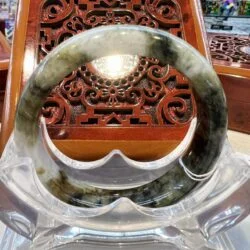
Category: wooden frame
[74,148]
[5,47]
[234,72]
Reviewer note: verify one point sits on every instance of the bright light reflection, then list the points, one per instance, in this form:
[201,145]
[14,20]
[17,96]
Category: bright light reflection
[114,67]
[157,38]
[245,49]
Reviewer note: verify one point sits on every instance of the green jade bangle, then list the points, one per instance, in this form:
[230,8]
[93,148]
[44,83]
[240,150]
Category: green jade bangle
[210,132]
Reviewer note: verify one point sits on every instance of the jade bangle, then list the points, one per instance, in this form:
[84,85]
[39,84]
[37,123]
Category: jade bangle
[109,40]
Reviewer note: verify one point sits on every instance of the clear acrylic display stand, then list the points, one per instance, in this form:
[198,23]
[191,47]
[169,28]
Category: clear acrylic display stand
[218,202]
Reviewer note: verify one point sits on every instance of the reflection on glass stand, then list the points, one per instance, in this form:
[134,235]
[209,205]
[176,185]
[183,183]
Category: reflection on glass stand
[229,16]
[7,15]
[228,29]
[236,8]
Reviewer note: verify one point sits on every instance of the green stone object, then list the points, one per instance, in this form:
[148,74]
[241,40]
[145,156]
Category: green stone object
[104,41]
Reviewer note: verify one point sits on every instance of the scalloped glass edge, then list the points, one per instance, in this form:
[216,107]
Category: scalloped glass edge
[212,207]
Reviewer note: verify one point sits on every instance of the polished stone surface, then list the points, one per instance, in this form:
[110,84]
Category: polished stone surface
[212,112]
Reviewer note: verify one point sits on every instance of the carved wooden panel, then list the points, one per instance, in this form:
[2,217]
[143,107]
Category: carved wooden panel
[145,113]
[230,50]
[231,59]
[151,95]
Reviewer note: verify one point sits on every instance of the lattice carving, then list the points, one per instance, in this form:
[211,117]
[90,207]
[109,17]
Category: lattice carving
[152,95]
[231,49]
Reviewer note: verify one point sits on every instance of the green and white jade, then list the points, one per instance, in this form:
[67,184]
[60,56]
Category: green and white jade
[199,158]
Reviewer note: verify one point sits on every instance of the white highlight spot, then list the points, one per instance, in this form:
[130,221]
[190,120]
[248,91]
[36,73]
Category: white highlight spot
[117,66]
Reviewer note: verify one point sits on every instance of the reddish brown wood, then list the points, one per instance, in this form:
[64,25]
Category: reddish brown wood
[231,57]
[4,64]
[13,86]
[237,90]
[3,78]
[2,26]
[4,52]
[230,50]
[153,96]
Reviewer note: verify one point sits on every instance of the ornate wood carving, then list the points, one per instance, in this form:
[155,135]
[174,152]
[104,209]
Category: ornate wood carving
[138,131]
[231,59]
[151,95]
[230,50]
